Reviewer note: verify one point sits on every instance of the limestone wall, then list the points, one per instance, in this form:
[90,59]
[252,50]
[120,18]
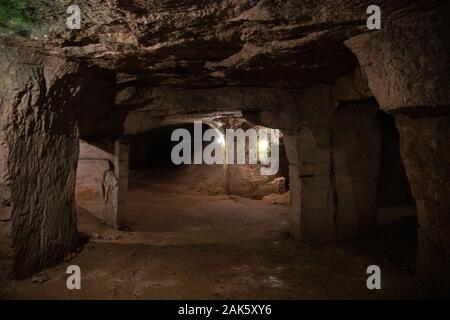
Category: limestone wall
[39,151]
[102,179]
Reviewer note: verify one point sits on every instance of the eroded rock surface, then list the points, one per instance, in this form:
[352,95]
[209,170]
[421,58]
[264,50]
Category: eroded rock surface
[425,151]
[42,101]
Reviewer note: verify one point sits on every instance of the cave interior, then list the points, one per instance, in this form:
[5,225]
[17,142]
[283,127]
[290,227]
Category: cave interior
[87,177]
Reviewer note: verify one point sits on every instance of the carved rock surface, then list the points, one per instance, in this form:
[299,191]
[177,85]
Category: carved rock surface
[407,63]
[425,149]
[41,103]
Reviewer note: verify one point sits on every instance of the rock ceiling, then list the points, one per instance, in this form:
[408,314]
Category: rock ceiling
[210,43]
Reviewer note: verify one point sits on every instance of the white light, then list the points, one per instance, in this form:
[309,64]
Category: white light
[221,140]
[263,145]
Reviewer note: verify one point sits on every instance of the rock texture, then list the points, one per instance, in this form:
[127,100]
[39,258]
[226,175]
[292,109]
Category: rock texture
[39,157]
[212,43]
[42,100]
[407,67]
[403,69]
[225,42]
[333,169]
[425,148]
[102,179]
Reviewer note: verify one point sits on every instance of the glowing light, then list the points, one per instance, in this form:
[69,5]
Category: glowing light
[263,145]
[221,140]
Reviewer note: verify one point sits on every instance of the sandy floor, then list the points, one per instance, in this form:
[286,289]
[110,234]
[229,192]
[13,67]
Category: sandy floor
[180,244]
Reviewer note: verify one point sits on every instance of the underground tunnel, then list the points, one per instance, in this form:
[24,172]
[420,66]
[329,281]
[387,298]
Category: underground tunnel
[323,150]
[158,195]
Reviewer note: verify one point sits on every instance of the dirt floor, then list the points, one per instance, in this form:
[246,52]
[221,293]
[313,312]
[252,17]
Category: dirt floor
[180,244]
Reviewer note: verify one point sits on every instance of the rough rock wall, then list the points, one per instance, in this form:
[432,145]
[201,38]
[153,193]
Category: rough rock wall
[42,99]
[425,149]
[407,66]
[402,68]
[39,158]
[214,42]
[102,179]
[333,158]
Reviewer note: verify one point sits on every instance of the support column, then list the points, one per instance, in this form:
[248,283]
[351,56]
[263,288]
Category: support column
[313,202]
[333,169]
[39,151]
[425,150]
[102,179]
[407,66]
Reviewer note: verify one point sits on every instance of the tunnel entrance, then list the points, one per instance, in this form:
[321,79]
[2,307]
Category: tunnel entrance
[200,203]
[397,212]
[150,161]
[393,186]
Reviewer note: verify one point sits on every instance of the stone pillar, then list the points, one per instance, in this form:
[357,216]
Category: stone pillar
[333,151]
[6,239]
[39,151]
[333,170]
[356,150]
[407,62]
[102,179]
[425,150]
[313,203]
[407,65]
[122,151]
